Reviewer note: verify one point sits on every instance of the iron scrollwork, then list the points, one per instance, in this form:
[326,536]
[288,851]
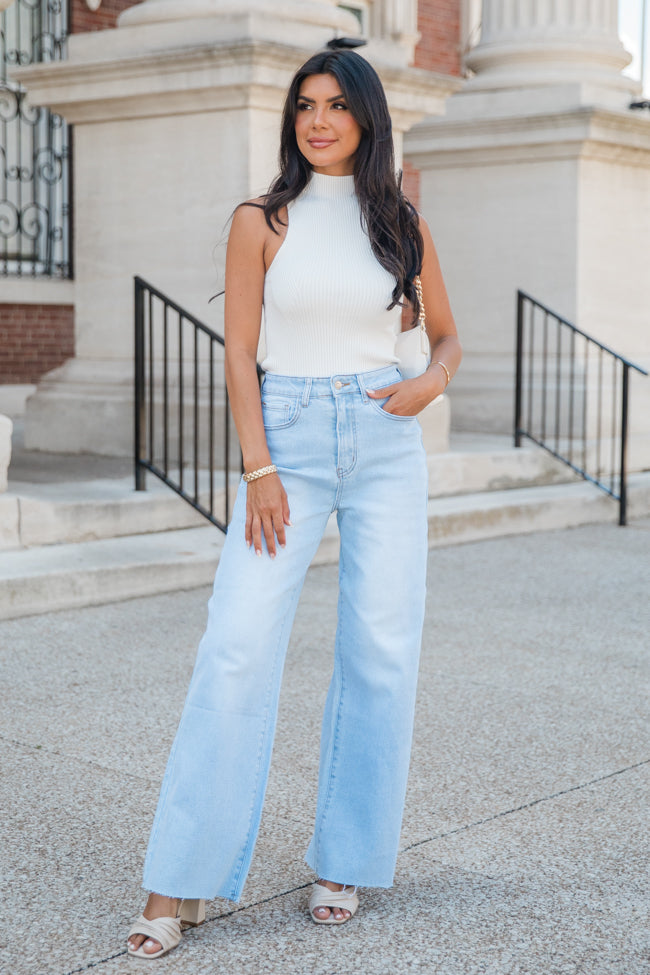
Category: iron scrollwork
[35,201]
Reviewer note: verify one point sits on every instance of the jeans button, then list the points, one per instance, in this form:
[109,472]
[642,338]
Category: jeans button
[338,384]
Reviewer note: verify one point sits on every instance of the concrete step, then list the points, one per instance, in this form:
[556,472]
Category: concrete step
[83,511]
[63,576]
[33,513]
[473,517]
[483,463]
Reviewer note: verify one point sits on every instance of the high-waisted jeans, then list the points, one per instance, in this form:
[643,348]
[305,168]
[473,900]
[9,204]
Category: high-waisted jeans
[336,450]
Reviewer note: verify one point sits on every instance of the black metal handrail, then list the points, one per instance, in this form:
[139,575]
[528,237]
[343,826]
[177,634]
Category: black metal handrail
[179,390]
[572,397]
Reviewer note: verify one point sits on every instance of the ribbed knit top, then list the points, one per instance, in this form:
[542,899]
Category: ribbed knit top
[325,293]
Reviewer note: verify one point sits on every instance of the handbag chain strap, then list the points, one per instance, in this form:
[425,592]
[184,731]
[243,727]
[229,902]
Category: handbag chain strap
[421,313]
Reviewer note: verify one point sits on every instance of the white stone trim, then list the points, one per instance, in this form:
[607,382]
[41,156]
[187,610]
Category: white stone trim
[318,12]
[209,78]
[583,133]
[37,291]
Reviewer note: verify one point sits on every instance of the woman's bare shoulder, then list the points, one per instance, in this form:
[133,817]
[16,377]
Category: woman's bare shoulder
[250,213]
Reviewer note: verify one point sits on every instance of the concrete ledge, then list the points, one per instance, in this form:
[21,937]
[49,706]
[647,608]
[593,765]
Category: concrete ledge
[466,471]
[81,511]
[51,514]
[53,577]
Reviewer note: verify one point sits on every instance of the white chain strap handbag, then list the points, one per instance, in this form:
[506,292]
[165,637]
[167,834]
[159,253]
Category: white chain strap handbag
[412,347]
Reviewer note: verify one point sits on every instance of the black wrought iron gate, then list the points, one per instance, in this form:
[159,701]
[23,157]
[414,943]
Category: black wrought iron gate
[35,200]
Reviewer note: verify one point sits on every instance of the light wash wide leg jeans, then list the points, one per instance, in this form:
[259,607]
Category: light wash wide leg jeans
[336,450]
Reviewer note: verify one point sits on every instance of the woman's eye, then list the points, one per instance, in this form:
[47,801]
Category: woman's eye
[302,106]
[340,105]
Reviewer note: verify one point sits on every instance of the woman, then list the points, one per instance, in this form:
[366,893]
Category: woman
[331,253]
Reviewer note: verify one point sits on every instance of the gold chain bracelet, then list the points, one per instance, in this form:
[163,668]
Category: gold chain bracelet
[260,472]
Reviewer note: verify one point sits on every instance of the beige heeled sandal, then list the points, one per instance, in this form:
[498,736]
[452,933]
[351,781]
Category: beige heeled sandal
[322,896]
[167,930]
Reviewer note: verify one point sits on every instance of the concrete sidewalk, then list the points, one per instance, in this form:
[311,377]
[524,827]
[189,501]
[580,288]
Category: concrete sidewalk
[525,840]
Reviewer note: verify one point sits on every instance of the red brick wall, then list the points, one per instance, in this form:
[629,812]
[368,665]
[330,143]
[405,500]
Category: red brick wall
[82,19]
[411,183]
[438,50]
[33,340]
[439,25]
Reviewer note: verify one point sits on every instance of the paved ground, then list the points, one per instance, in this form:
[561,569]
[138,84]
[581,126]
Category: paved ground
[525,843]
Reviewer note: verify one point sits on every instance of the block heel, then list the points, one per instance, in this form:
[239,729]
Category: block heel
[192,913]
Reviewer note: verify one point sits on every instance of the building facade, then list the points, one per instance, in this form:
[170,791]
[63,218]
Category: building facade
[512,123]
[38,303]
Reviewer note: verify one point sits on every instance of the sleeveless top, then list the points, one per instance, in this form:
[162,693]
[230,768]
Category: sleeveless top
[325,293]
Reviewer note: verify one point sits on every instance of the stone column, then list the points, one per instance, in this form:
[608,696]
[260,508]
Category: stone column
[176,116]
[528,42]
[538,178]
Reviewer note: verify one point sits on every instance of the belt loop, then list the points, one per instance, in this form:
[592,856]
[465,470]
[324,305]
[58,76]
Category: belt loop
[362,388]
[306,391]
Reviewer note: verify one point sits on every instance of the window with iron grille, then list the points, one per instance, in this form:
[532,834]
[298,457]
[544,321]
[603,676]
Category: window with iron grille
[35,237]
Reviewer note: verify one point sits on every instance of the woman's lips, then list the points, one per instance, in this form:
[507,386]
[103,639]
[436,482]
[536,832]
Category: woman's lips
[320,143]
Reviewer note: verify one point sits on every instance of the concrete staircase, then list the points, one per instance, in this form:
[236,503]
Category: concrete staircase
[85,540]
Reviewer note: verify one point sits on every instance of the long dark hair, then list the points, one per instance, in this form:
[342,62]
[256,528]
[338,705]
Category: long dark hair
[389,218]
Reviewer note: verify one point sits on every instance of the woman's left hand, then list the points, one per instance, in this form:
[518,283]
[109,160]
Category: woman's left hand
[409,396]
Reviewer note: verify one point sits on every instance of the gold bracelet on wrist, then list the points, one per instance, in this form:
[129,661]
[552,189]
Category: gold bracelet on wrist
[260,472]
[447,373]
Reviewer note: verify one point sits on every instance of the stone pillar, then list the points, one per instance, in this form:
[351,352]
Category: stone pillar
[538,178]
[546,42]
[176,116]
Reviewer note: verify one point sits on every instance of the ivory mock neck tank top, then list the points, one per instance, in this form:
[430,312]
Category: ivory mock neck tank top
[326,294]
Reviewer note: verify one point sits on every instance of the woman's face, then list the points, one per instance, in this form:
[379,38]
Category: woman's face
[327,134]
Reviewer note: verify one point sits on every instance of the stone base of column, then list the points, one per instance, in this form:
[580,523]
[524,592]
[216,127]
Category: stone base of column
[84,406]
[88,406]
[482,394]
[6,428]
[435,420]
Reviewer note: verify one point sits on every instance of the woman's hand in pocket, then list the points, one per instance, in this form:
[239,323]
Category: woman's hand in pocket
[410,396]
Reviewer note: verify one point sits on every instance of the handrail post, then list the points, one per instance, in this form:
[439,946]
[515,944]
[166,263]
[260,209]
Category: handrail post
[146,328]
[519,366]
[622,510]
[139,397]
[524,392]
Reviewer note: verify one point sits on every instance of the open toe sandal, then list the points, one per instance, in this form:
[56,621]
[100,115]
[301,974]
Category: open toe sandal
[166,930]
[322,896]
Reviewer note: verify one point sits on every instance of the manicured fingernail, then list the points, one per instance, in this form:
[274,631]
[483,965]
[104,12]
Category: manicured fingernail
[283,544]
[272,554]
[258,551]
[290,524]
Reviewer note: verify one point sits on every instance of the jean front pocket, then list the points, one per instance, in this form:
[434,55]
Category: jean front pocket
[279,410]
[379,404]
